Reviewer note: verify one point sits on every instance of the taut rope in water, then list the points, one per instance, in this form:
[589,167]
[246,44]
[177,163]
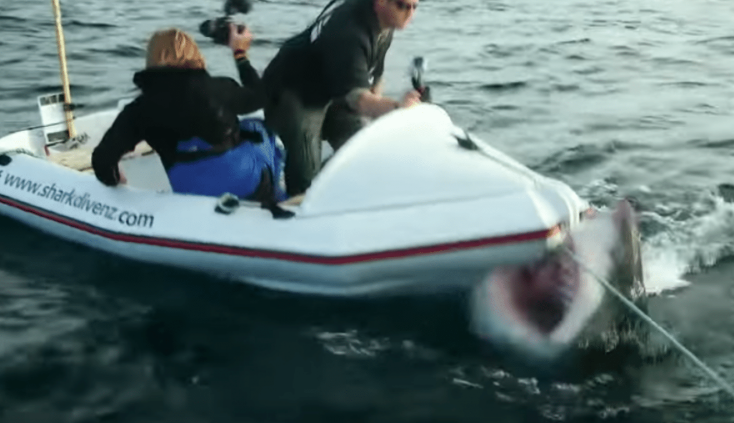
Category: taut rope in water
[718,379]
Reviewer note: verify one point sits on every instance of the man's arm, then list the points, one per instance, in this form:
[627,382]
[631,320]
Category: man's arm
[345,64]
[349,75]
[122,137]
[378,86]
[368,103]
[347,71]
[250,96]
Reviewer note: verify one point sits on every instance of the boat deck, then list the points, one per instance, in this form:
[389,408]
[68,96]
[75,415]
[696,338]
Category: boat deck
[81,158]
[145,173]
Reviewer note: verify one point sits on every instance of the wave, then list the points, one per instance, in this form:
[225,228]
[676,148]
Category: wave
[680,236]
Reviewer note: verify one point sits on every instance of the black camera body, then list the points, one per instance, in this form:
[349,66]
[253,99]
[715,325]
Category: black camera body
[218,29]
[417,69]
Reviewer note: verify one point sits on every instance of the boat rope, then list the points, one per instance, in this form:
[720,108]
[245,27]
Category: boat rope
[48,125]
[718,379]
[18,151]
[466,141]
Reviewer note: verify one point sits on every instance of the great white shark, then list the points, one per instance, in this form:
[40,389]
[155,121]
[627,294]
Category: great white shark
[544,308]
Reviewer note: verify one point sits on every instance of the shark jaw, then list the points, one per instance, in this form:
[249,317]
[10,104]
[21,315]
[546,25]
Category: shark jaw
[540,309]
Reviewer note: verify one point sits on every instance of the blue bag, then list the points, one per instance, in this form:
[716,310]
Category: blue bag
[236,171]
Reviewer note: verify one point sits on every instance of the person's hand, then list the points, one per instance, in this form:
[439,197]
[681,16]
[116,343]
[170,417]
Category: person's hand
[411,98]
[239,41]
[123,179]
[425,94]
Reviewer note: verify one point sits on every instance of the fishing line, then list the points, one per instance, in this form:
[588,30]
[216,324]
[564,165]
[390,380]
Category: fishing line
[718,379]
[32,128]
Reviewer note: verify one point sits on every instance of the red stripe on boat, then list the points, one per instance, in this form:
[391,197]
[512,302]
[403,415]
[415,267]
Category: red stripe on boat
[279,255]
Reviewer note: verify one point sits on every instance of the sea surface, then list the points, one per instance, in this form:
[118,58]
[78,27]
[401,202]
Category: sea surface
[618,98]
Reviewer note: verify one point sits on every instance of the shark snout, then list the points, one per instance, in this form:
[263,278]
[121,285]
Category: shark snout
[541,307]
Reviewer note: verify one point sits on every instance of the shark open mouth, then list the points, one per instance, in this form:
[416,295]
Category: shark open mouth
[541,308]
[542,293]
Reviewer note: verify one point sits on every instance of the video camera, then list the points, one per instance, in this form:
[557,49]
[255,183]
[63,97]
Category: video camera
[218,29]
[418,67]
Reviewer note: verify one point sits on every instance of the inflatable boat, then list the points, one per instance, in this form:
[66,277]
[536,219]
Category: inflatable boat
[412,203]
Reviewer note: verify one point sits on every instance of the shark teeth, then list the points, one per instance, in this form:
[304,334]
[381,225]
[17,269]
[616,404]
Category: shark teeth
[568,283]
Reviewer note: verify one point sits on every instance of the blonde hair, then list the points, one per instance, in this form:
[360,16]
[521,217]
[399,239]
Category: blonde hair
[175,48]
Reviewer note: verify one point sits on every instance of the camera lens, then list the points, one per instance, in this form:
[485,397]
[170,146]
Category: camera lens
[207,28]
[237,6]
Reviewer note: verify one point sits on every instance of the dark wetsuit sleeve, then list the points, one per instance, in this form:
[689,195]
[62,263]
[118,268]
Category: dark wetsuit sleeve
[383,47]
[248,75]
[122,137]
[345,65]
[245,98]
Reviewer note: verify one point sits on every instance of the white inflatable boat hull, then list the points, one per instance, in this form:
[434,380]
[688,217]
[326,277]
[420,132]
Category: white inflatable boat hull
[402,208]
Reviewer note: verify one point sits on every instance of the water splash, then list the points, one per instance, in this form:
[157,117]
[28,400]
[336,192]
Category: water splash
[351,344]
[682,246]
[663,269]
[681,236]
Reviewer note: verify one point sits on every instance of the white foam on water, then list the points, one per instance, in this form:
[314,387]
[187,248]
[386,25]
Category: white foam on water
[687,246]
[692,234]
[663,270]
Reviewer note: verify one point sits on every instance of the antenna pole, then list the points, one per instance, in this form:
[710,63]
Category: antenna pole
[64,72]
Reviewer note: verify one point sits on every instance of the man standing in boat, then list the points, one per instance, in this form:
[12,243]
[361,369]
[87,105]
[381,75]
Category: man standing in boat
[326,81]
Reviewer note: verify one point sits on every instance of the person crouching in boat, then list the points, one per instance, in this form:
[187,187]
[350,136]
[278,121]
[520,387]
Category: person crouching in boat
[191,120]
[326,81]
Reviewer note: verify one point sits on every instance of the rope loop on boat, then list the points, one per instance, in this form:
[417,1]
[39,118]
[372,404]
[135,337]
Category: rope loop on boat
[18,151]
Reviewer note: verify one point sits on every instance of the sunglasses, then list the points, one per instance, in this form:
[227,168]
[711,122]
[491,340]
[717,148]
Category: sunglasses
[402,5]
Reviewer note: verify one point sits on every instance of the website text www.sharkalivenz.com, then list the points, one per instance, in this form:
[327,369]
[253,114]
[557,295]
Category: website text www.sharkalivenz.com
[78,201]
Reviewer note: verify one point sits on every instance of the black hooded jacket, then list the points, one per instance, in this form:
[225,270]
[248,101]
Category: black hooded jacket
[343,50]
[175,105]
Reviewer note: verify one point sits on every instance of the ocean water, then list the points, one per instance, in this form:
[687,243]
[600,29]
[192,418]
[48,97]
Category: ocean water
[616,98]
